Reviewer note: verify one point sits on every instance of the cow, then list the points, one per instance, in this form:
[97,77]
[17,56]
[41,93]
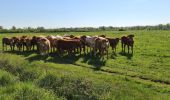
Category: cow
[28,43]
[89,41]
[113,43]
[127,41]
[53,41]
[68,45]
[23,42]
[43,45]
[33,42]
[7,41]
[101,45]
[18,43]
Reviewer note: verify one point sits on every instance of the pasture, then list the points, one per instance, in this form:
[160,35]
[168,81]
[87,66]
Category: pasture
[145,75]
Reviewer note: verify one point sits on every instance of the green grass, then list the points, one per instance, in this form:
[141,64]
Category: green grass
[145,75]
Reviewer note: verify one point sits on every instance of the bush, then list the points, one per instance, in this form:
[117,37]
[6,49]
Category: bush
[74,88]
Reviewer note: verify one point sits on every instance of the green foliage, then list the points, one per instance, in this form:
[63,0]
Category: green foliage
[69,87]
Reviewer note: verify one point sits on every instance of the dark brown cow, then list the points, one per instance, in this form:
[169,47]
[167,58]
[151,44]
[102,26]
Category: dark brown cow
[68,45]
[33,42]
[7,41]
[23,42]
[80,44]
[113,43]
[127,41]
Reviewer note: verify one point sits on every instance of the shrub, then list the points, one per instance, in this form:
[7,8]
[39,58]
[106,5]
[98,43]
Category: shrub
[74,88]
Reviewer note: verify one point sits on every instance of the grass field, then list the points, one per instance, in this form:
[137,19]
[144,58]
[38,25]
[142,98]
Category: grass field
[145,75]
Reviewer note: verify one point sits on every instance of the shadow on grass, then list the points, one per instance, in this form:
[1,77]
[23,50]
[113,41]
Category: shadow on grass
[62,59]
[25,53]
[128,55]
[94,61]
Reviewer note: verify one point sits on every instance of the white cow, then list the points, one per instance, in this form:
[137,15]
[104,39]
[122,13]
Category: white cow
[90,42]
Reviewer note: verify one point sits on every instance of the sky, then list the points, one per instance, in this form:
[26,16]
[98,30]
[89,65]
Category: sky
[83,13]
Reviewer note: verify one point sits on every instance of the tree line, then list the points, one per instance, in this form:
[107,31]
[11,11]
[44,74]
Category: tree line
[14,29]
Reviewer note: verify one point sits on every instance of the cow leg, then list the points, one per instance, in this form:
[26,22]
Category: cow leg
[11,47]
[128,48]
[80,50]
[124,48]
[33,47]
[84,49]
[6,47]
[23,48]
[107,52]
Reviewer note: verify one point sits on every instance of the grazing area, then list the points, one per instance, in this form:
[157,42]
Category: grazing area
[141,74]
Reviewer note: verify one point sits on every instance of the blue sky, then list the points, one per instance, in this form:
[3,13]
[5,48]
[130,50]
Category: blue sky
[83,13]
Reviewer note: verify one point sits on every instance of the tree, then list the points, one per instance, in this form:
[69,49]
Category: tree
[1,27]
[40,29]
[13,28]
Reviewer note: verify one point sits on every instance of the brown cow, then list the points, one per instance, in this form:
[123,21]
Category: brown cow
[113,43]
[68,45]
[23,42]
[7,41]
[101,44]
[127,41]
[18,43]
[33,42]
[28,43]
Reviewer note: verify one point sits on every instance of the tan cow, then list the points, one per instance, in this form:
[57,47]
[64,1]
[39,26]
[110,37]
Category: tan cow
[43,45]
[101,44]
